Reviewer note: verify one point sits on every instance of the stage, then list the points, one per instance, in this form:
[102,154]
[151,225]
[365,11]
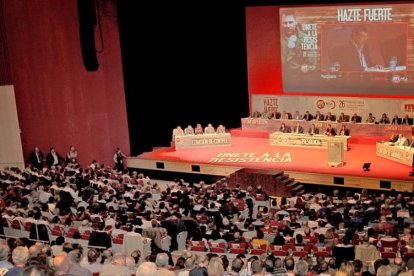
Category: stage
[251,149]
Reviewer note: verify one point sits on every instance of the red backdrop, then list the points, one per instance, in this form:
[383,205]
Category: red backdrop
[59,103]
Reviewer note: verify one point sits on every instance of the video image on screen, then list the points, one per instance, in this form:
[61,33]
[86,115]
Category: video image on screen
[348,49]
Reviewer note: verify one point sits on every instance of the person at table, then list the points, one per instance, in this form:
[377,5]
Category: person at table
[393,138]
[384,119]
[178,131]
[286,115]
[329,117]
[198,130]
[406,120]
[401,141]
[330,131]
[343,131]
[189,130]
[313,130]
[318,116]
[307,116]
[298,128]
[411,142]
[342,118]
[355,118]
[256,114]
[297,116]
[395,120]
[284,128]
[266,115]
[209,129]
[221,129]
[370,119]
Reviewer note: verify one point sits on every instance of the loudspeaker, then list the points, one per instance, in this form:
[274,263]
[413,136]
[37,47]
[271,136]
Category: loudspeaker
[384,184]
[160,165]
[195,168]
[338,180]
[366,166]
[87,23]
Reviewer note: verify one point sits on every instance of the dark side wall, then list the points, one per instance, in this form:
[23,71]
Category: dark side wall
[59,103]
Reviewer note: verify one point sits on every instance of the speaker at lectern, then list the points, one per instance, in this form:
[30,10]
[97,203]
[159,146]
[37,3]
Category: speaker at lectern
[335,154]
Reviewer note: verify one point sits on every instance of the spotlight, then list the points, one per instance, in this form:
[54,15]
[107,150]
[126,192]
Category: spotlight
[366,166]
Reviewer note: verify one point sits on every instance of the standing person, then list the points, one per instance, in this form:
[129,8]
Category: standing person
[119,160]
[36,158]
[72,155]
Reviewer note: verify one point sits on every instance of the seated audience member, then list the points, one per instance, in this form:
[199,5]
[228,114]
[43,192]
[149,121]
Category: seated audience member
[189,130]
[355,118]
[370,119]
[329,117]
[318,116]
[401,141]
[198,130]
[344,131]
[178,131]
[313,130]
[284,128]
[297,116]
[406,120]
[221,129]
[298,128]
[209,129]
[384,119]
[307,116]
[395,120]
[330,131]
[342,118]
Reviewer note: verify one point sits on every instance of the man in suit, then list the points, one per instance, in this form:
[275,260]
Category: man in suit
[36,158]
[406,120]
[330,131]
[355,55]
[318,116]
[329,117]
[313,130]
[307,116]
[298,128]
[53,158]
[355,118]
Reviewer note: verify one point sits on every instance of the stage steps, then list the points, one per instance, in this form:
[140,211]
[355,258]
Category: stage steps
[274,183]
[296,187]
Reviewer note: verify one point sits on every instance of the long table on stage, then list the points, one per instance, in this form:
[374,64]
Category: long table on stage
[400,154]
[202,141]
[306,140]
[355,129]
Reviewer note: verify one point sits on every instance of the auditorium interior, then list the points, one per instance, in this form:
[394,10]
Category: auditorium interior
[251,137]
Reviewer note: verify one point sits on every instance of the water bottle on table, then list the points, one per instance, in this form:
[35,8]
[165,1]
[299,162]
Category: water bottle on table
[393,63]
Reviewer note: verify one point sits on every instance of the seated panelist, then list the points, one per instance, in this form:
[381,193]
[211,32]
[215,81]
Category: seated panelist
[198,130]
[221,129]
[284,128]
[209,129]
[313,130]
[189,130]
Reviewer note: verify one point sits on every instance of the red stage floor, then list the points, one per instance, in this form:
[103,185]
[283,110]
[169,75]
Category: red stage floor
[256,152]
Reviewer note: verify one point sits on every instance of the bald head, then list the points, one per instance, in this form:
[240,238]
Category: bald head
[147,269]
[61,263]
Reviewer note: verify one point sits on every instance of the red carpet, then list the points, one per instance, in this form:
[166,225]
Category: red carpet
[257,153]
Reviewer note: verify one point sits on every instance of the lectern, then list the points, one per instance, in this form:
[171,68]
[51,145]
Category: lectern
[335,154]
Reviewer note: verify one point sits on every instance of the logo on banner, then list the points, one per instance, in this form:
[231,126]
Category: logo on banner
[321,104]
[408,107]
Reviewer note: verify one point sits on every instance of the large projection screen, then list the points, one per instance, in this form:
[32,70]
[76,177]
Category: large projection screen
[362,50]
